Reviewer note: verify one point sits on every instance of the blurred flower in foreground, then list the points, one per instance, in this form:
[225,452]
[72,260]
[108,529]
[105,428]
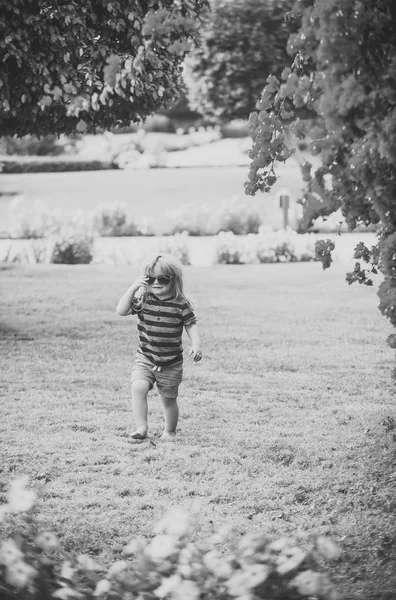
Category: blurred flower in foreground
[176,522]
[187,590]
[102,587]
[244,580]
[217,564]
[135,546]
[310,583]
[178,589]
[47,541]
[328,548]
[161,547]
[3,511]
[118,567]
[168,586]
[86,563]
[19,498]
[9,553]
[19,574]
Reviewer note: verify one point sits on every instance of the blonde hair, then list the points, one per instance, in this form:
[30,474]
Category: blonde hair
[171,267]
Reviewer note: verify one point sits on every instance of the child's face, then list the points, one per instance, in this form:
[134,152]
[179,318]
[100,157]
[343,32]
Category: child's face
[159,284]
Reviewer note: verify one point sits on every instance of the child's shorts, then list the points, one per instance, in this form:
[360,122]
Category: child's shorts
[167,379]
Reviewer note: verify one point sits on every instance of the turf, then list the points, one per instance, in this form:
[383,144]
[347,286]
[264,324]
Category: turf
[287,424]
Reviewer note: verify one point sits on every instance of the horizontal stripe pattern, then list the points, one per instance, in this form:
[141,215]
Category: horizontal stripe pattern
[160,329]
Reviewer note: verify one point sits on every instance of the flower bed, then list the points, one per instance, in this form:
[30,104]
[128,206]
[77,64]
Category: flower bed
[268,246]
[224,248]
[34,565]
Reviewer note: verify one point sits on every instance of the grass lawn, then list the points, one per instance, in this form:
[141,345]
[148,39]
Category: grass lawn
[154,194]
[282,427]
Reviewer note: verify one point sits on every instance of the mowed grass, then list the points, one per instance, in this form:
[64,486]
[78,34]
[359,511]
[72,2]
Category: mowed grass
[153,194]
[283,425]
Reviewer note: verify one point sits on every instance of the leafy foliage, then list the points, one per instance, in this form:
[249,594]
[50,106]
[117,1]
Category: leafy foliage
[72,249]
[33,564]
[268,246]
[339,98]
[69,66]
[113,220]
[204,219]
[241,43]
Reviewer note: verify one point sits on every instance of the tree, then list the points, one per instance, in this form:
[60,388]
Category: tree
[339,96]
[70,66]
[241,43]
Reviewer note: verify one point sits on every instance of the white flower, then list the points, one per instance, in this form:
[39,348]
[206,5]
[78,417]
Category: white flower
[9,553]
[222,535]
[47,541]
[19,498]
[187,590]
[290,560]
[3,511]
[67,571]
[186,570]
[220,566]
[102,587]
[65,593]
[135,546]
[328,548]
[19,574]
[168,585]
[310,583]
[161,547]
[247,578]
[117,567]
[177,523]
[86,563]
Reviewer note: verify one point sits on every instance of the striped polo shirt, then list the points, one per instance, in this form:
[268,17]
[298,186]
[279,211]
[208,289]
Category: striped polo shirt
[160,328]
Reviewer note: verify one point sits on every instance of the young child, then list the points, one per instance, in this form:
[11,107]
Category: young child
[163,310]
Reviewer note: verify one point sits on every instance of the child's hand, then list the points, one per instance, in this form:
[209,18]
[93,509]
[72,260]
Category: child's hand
[140,282]
[196,354]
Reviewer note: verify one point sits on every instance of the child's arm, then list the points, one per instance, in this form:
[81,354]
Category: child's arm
[124,307]
[193,334]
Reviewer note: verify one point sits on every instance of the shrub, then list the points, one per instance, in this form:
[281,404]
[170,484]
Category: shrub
[238,217]
[177,246]
[72,247]
[158,124]
[202,219]
[112,220]
[237,128]
[268,246]
[52,165]
[194,219]
[30,145]
[33,564]
[25,224]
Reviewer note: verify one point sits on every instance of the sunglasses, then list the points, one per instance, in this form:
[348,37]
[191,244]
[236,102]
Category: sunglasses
[162,279]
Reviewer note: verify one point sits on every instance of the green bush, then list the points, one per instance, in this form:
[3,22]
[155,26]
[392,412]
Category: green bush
[30,145]
[177,246]
[72,249]
[25,224]
[237,128]
[159,124]
[238,217]
[111,220]
[33,565]
[268,246]
[202,219]
[52,165]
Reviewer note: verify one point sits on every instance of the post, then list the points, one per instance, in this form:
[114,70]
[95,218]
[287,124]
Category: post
[284,202]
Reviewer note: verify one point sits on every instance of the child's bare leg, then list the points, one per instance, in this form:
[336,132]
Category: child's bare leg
[140,389]
[171,414]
